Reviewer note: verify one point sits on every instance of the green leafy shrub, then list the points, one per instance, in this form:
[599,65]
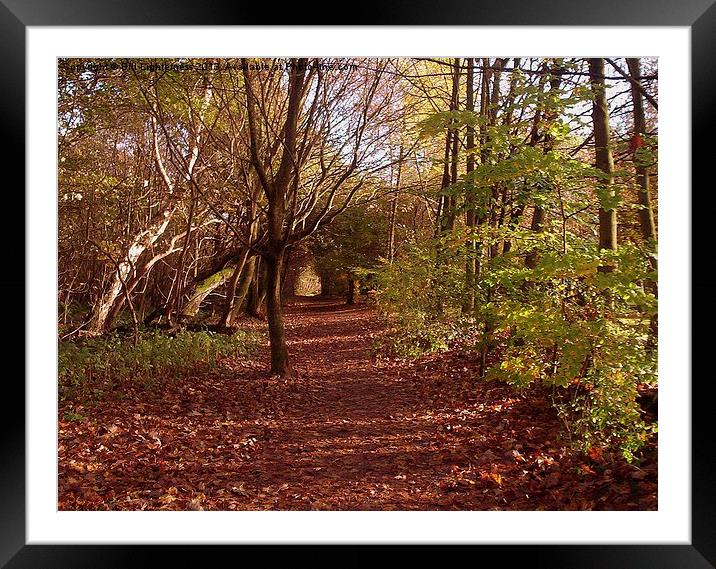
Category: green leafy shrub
[421,299]
[564,323]
[569,324]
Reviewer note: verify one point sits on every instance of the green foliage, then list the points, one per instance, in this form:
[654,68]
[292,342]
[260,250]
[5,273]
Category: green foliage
[421,297]
[607,413]
[574,318]
[567,323]
[576,325]
[439,122]
[73,416]
[564,323]
[94,367]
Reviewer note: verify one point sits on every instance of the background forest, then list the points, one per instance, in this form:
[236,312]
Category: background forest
[503,208]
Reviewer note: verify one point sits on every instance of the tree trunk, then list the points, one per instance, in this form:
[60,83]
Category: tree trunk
[394,209]
[204,289]
[274,311]
[484,153]
[646,213]
[494,104]
[446,212]
[469,303]
[518,208]
[286,261]
[604,161]
[444,202]
[513,199]
[537,226]
[225,321]
[541,132]
[242,289]
[100,321]
[351,296]
[255,299]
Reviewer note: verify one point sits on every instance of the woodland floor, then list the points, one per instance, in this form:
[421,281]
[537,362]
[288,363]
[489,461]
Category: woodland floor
[349,433]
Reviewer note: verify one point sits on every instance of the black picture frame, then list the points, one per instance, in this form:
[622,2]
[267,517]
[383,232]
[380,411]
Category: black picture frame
[16,15]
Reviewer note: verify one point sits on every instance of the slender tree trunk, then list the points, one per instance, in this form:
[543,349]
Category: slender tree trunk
[256,290]
[177,290]
[455,140]
[541,133]
[446,212]
[286,261]
[225,321]
[280,364]
[469,304]
[351,296]
[482,217]
[514,222]
[646,213]
[513,199]
[440,224]
[604,161]
[443,212]
[494,104]
[537,226]
[394,209]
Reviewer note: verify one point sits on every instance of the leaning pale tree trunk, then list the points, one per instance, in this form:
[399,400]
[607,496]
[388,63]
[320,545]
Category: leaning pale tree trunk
[142,271]
[100,321]
[204,288]
[126,266]
[604,160]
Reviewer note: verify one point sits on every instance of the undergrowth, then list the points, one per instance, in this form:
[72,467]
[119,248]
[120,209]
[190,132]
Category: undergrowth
[562,323]
[90,369]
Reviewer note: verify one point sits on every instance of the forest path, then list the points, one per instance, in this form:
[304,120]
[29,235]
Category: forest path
[355,434]
[348,433]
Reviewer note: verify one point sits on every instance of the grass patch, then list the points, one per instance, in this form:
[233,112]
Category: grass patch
[89,369]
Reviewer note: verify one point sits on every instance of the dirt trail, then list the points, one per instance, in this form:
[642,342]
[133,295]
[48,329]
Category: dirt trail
[354,435]
[349,433]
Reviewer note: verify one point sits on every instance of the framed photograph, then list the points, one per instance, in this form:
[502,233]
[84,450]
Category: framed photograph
[291,282]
